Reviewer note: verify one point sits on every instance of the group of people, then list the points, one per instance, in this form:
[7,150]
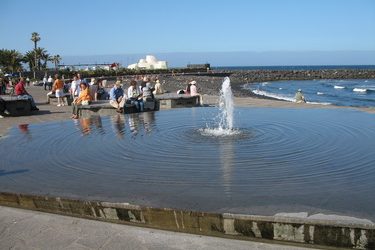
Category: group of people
[141,90]
[134,95]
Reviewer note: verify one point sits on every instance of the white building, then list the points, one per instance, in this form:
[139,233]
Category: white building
[149,63]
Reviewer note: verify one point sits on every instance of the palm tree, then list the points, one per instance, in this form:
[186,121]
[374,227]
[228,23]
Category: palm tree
[35,38]
[42,55]
[56,60]
[29,58]
[10,60]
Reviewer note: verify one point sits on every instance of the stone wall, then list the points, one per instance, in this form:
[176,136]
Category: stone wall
[269,228]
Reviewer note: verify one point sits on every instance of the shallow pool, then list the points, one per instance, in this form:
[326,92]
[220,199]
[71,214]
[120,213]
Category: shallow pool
[281,160]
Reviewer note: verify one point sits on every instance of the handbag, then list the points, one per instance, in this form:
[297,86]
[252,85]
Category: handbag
[85,102]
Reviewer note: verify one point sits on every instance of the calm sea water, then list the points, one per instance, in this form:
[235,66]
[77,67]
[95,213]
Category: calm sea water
[284,160]
[357,92]
[296,67]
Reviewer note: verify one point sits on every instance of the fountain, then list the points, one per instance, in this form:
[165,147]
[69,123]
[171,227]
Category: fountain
[225,117]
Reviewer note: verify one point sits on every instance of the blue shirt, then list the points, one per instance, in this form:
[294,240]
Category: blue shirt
[115,93]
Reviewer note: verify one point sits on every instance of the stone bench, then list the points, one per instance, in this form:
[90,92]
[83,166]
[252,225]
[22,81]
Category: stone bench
[103,107]
[17,107]
[67,98]
[172,100]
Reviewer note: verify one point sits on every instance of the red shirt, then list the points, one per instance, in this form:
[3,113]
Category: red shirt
[20,89]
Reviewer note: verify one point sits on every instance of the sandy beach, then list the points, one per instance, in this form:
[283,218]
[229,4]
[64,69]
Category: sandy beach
[208,87]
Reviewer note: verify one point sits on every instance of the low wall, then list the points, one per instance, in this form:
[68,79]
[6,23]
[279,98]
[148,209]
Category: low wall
[280,229]
[17,107]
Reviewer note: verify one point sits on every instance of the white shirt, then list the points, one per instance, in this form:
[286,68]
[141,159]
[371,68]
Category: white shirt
[74,88]
[132,92]
[193,90]
[50,79]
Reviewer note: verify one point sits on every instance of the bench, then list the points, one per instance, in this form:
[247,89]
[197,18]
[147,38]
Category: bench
[17,107]
[67,98]
[172,100]
[102,107]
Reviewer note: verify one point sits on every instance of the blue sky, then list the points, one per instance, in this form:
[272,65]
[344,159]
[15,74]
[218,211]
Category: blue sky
[83,27]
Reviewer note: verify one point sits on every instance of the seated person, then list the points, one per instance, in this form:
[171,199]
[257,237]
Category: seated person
[147,92]
[193,88]
[2,107]
[84,98]
[117,97]
[158,88]
[135,96]
[23,94]
[299,97]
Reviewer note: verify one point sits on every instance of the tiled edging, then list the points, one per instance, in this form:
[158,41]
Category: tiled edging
[281,229]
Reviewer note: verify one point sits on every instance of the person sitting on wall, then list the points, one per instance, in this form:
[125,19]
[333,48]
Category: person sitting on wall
[158,88]
[193,88]
[299,97]
[117,97]
[135,96]
[84,98]
[23,94]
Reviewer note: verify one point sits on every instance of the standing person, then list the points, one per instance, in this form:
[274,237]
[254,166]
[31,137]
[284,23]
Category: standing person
[23,94]
[49,82]
[79,80]
[74,87]
[45,82]
[28,81]
[135,96]
[84,98]
[117,97]
[58,88]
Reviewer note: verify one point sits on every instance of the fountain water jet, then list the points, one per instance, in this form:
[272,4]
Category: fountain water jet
[226,107]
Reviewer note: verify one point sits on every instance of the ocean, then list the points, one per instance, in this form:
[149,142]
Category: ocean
[352,92]
[296,67]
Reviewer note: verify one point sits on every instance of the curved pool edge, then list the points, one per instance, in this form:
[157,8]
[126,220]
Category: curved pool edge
[291,230]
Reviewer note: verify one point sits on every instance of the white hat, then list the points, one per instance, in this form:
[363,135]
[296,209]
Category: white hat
[193,82]
[299,90]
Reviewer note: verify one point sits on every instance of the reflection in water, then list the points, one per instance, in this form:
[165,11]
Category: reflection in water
[24,129]
[227,164]
[88,124]
[118,124]
[134,123]
[148,121]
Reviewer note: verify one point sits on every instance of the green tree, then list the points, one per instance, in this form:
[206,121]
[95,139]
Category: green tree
[10,60]
[56,60]
[35,37]
[29,58]
[43,58]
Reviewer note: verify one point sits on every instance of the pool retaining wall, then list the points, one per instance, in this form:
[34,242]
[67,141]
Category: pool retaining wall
[311,232]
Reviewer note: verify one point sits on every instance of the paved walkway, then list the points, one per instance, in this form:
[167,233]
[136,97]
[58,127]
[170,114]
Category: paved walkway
[23,229]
